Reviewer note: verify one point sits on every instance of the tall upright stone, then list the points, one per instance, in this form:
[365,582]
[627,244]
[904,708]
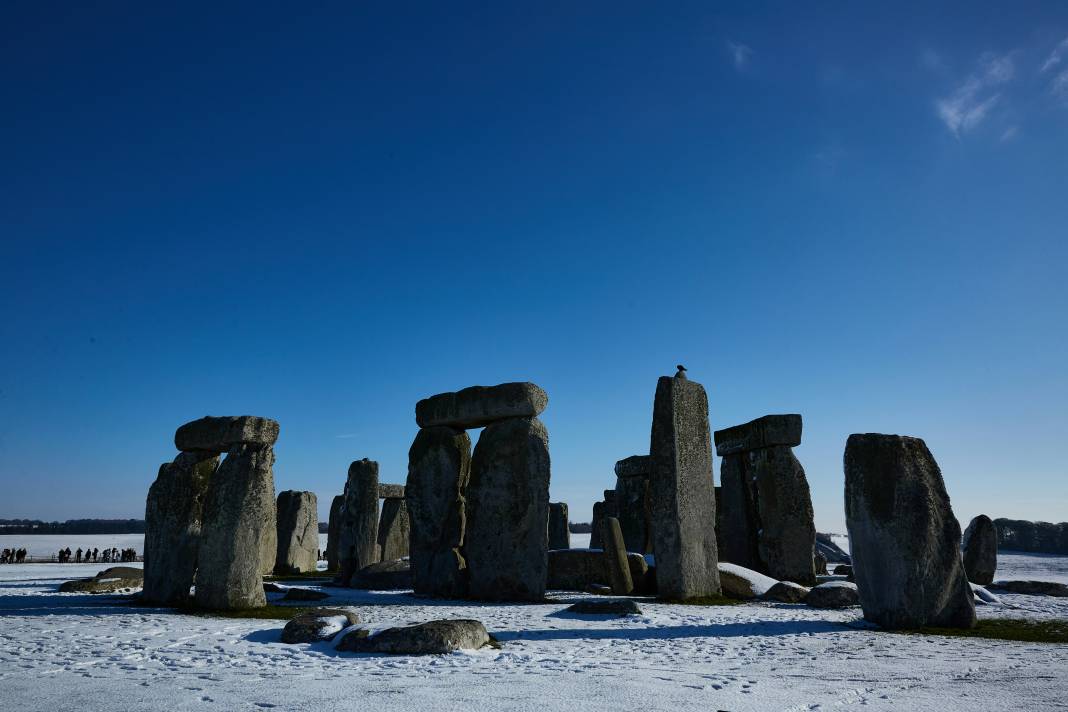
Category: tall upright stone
[558,535]
[766,521]
[633,502]
[615,556]
[173,516]
[439,467]
[298,533]
[333,531]
[393,529]
[980,548]
[508,511]
[596,524]
[684,506]
[904,539]
[358,541]
[239,516]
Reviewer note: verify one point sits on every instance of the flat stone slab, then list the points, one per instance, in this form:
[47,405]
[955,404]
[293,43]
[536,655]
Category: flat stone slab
[390,491]
[786,592]
[1032,588]
[101,585]
[635,466]
[304,594]
[763,432]
[478,406]
[622,607]
[434,637]
[742,583]
[319,624]
[219,434]
[833,594]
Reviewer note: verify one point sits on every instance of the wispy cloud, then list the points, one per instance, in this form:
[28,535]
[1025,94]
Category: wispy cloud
[346,436]
[1009,133]
[967,106]
[1059,85]
[1055,56]
[740,54]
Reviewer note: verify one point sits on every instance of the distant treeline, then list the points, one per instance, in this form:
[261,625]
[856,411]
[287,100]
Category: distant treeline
[1037,537]
[73,526]
[580,527]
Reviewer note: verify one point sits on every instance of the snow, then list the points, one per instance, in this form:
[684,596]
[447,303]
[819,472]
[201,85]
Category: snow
[758,582]
[77,651]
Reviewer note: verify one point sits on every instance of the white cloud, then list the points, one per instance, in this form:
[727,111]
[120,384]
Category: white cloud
[967,106]
[346,436]
[1010,133]
[1059,85]
[740,54]
[1055,56]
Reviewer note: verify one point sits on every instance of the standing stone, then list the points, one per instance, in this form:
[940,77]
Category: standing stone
[559,534]
[358,542]
[508,512]
[393,529]
[904,539]
[684,506]
[333,531]
[981,550]
[298,533]
[633,504]
[439,466]
[595,525]
[615,555]
[239,515]
[767,521]
[173,515]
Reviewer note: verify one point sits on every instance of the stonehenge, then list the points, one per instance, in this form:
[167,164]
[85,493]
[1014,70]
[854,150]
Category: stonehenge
[683,502]
[358,536]
[904,538]
[479,520]
[980,549]
[605,508]
[633,503]
[766,520]
[559,535]
[333,531]
[615,556]
[298,533]
[393,527]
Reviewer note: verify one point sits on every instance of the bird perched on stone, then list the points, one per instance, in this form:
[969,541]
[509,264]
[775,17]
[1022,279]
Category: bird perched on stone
[682,372]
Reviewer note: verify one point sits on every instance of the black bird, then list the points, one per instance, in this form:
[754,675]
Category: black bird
[682,371]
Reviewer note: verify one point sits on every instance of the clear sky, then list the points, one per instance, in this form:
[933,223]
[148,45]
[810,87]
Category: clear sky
[854,211]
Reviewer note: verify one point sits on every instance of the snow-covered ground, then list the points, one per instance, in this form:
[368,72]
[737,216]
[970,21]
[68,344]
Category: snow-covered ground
[73,651]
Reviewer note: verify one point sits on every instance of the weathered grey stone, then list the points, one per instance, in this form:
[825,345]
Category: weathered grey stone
[634,466]
[835,594]
[478,406]
[831,551]
[319,624]
[903,535]
[298,533]
[767,519]
[610,608]
[173,515]
[1033,588]
[358,541]
[333,533]
[508,512]
[786,592]
[221,434]
[393,530]
[596,522]
[109,584]
[435,637]
[599,590]
[239,516]
[615,557]
[768,431]
[296,593]
[559,534]
[439,467]
[843,570]
[577,569]
[386,491]
[634,507]
[384,576]
[980,549]
[819,563]
[684,506]
[742,583]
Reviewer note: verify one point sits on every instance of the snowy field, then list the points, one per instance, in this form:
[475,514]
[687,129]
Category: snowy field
[81,652]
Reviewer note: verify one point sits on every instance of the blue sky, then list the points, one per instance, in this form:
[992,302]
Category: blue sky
[322,215]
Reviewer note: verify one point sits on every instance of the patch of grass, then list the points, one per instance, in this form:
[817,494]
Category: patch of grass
[1019,629]
[268,612]
[708,601]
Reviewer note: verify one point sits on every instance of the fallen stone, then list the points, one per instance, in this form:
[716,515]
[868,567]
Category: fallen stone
[980,550]
[358,538]
[298,533]
[684,506]
[834,594]
[103,583]
[833,553]
[767,431]
[439,468]
[435,637]
[786,592]
[295,593]
[634,466]
[126,572]
[270,587]
[903,535]
[984,596]
[1032,588]
[508,512]
[221,434]
[843,570]
[384,576]
[394,530]
[559,533]
[479,406]
[386,491]
[742,583]
[621,607]
[319,624]
[598,589]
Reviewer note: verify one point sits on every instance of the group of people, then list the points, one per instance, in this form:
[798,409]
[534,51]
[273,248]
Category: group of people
[12,556]
[106,556]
